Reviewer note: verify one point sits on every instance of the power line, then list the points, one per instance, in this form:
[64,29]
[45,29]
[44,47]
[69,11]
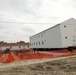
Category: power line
[26,22]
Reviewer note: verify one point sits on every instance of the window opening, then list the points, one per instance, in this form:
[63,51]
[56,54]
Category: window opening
[66,37]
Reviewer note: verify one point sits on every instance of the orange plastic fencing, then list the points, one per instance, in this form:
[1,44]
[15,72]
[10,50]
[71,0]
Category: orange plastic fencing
[0,55]
[74,51]
[15,57]
[9,58]
[61,51]
[30,55]
[3,57]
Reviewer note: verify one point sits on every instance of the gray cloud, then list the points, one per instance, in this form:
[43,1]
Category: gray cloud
[25,6]
[29,29]
[3,26]
[32,11]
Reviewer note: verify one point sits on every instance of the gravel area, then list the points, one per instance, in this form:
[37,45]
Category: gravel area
[56,67]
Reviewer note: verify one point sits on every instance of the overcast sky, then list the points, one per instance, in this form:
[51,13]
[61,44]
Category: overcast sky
[20,19]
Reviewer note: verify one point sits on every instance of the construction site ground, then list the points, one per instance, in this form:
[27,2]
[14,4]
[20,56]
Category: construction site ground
[49,66]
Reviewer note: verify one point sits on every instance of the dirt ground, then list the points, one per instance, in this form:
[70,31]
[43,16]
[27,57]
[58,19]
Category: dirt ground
[58,67]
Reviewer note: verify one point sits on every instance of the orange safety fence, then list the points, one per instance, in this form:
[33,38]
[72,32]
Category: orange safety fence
[60,51]
[74,51]
[0,55]
[3,57]
[23,56]
[9,58]
[31,55]
[15,57]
